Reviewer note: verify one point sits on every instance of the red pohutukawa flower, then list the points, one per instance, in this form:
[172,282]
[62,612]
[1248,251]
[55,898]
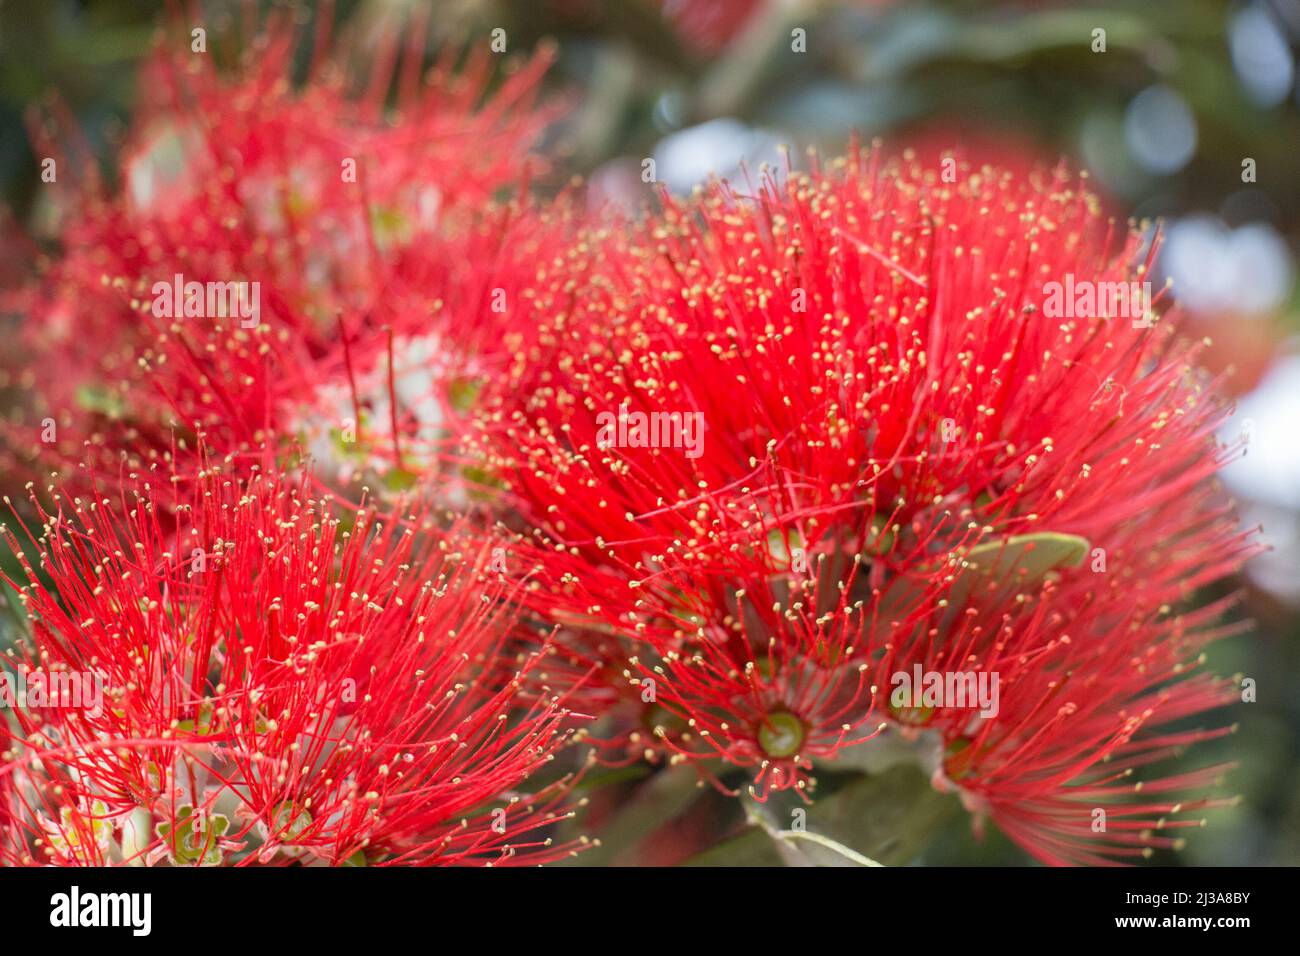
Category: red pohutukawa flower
[277,258]
[265,681]
[800,446]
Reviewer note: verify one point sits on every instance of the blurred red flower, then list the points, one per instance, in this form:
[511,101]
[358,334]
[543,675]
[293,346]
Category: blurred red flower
[278,262]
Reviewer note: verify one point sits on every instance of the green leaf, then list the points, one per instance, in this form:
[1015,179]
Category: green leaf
[1017,562]
[661,799]
[751,847]
[1022,561]
[885,818]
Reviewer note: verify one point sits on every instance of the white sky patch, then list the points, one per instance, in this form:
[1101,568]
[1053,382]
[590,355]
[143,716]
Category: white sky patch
[689,157]
[1266,481]
[1245,271]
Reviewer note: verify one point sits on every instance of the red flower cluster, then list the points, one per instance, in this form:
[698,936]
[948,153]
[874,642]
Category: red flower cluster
[280,263]
[225,666]
[792,443]
[887,448]
[263,681]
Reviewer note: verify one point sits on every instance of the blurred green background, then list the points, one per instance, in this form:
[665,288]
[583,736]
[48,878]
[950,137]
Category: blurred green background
[1190,114]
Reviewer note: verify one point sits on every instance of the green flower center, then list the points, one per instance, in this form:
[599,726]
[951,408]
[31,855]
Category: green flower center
[781,735]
